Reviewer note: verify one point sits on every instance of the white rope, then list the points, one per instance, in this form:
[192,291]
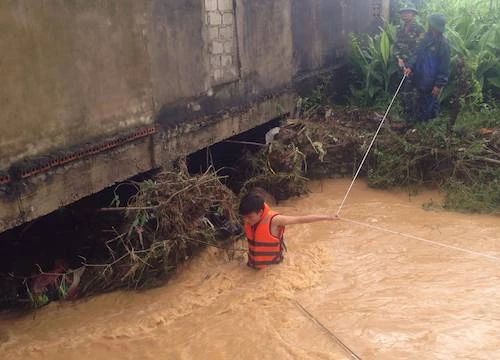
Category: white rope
[314,319]
[371,144]
[491,257]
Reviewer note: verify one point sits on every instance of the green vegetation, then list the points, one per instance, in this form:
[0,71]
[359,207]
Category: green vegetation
[373,67]
[459,151]
[473,33]
[474,36]
[464,166]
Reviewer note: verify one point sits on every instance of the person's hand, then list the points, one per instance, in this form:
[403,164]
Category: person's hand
[401,63]
[436,90]
[408,72]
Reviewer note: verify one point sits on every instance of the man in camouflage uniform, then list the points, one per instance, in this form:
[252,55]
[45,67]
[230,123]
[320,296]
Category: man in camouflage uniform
[408,33]
[430,68]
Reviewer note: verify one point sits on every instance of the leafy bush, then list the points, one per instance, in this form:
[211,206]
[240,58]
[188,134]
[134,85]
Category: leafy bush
[372,66]
[473,33]
[474,36]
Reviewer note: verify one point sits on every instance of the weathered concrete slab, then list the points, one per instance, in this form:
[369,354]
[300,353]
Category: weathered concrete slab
[71,70]
[200,71]
[44,193]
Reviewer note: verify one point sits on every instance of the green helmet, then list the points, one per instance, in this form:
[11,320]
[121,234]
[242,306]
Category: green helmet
[437,22]
[408,8]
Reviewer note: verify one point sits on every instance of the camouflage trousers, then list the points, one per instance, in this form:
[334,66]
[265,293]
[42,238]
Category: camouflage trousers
[408,95]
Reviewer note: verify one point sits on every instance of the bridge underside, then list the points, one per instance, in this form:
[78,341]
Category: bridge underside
[49,188]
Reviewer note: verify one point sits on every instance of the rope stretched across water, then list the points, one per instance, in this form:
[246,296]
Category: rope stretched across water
[314,319]
[371,144]
[491,257]
[471,252]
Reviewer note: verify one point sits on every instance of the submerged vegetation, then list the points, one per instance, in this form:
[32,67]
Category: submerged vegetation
[135,245]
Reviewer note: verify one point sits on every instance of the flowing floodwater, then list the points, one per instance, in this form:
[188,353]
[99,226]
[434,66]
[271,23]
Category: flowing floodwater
[383,295]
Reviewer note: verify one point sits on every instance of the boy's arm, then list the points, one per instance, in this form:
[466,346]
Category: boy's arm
[283,220]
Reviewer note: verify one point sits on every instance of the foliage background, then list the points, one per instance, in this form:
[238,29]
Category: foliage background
[473,32]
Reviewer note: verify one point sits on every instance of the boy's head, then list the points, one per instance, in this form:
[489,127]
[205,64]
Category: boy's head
[252,208]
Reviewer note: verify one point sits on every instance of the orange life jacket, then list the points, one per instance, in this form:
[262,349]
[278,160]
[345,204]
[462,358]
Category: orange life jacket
[263,247]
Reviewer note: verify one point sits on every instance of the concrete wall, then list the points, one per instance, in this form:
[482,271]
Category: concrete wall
[71,71]
[74,71]
[178,62]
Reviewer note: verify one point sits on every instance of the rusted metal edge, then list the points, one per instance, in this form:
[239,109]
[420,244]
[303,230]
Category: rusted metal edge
[81,153]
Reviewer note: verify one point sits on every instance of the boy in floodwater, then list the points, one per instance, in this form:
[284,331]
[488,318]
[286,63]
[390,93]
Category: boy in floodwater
[264,229]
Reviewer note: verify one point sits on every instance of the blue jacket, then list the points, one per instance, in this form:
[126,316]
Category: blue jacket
[431,64]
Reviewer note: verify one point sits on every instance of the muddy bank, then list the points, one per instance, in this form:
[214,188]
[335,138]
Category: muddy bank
[464,163]
[385,296]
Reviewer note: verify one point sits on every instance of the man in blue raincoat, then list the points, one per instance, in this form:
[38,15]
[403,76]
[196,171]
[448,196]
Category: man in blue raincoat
[430,68]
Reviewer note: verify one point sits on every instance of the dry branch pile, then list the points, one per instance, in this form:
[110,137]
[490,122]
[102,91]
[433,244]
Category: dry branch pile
[165,222]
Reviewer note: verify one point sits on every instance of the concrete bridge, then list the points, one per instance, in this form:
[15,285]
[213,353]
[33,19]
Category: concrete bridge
[93,92]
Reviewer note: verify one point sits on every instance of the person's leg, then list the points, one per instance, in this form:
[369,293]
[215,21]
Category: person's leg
[408,101]
[428,106]
[420,106]
[435,107]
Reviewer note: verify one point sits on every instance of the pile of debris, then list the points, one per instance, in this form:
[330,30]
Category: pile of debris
[138,244]
[168,219]
[465,165]
[309,148]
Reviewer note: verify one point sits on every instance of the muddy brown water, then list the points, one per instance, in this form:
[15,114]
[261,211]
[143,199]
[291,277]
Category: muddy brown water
[384,296]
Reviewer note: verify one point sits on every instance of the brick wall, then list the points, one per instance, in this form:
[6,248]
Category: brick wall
[222,44]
